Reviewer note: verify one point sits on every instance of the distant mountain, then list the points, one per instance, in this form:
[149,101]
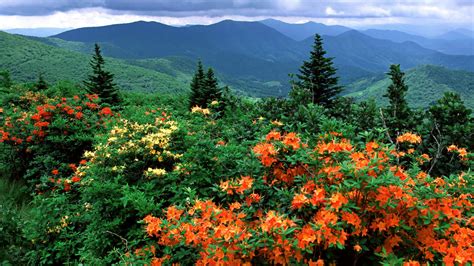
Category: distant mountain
[375,55]
[463,46]
[426,84]
[26,59]
[37,32]
[251,56]
[458,34]
[302,31]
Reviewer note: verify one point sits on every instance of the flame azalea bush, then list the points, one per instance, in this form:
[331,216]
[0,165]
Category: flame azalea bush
[332,201]
[45,134]
[121,179]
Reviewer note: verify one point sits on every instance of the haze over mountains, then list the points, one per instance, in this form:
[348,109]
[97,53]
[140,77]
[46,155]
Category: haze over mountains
[255,58]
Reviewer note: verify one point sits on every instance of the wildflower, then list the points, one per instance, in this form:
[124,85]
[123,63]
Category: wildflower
[452,148]
[277,123]
[292,140]
[273,135]
[410,138]
[75,179]
[214,102]
[79,115]
[106,111]
[357,248]
[55,172]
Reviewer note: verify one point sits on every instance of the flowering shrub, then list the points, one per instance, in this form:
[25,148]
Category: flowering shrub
[50,133]
[120,180]
[330,202]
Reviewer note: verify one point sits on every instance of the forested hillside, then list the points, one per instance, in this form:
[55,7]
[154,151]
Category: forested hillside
[26,59]
[426,84]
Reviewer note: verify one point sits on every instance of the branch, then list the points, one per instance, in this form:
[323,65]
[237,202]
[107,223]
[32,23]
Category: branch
[124,241]
[385,126]
[438,150]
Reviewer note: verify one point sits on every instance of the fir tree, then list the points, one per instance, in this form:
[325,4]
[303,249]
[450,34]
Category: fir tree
[317,76]
[5,79]
[398,110]
[101,81]
[197,84]
[41,84]
[211,91]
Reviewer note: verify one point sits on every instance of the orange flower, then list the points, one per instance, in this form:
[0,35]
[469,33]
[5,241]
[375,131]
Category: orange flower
[337,200]
[265,151]
[357,248]
[55,172]
[106,111]
[292,140]
[452,148]
[410,138]
[299,200]
[75,179]
[273,135]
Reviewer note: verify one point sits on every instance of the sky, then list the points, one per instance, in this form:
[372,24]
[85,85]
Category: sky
[352,13]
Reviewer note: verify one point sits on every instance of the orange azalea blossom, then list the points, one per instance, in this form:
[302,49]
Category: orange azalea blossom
[273,135]
[265,151]
[305,212]
[239,187]
[410,138]
[291,140]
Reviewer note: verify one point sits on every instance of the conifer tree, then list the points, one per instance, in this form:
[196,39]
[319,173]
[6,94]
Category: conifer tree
[317,76]
[101,82]
[5,79]
[398,111]
[211,90]
[197,84]
[41,84]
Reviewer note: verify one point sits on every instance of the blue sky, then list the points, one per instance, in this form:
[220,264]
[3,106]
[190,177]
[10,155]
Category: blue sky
[81,13]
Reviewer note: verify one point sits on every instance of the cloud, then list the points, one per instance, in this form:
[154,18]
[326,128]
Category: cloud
[348,12]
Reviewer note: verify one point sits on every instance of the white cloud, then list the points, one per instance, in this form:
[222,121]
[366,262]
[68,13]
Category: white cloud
[331,12]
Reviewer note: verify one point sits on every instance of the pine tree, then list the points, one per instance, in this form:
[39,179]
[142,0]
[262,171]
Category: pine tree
[317,76]
[101,81]
[5,79]
[211,90]
[41,84]
[398,110]
[197,84]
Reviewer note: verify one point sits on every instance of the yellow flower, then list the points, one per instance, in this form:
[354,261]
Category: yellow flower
[277,123]
[155,172]
[214,102]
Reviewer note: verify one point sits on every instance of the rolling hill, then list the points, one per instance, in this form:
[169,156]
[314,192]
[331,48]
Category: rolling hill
[426,84]
[26,58]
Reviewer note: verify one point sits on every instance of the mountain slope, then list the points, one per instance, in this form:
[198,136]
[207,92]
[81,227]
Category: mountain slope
[454,47]
[426,85]
[375,55]
[26,58]
[302,31]
[251,56]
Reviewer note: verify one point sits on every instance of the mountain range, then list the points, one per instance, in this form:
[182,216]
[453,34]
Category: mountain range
[254,58]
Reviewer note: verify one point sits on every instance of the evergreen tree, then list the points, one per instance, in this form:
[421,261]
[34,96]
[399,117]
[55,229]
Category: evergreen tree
[211,91]
[197,84]
[101,81]
[5,79]
[317,76]
[399,114]
[450,123]
[41,84]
